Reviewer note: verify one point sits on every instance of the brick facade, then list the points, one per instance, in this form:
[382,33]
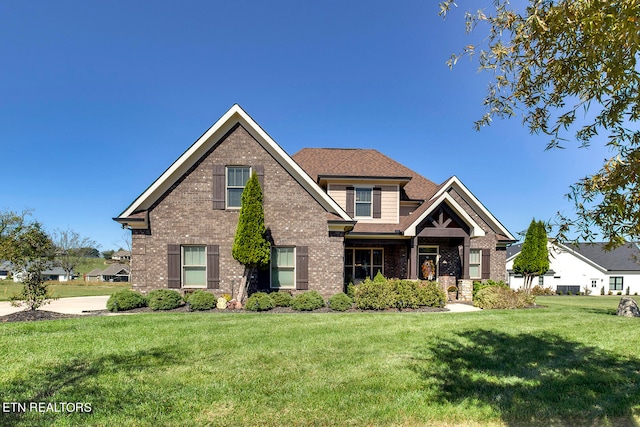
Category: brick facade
[184,215]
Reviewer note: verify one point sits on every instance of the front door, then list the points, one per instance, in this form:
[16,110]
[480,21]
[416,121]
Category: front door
[428,262]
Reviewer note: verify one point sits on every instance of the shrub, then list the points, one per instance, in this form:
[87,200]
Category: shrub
[477,286]
[125,299]
[201,300]
[351,290]
[307,301]
[281,299]
[340,302]
[493,297]
[164,299]
[539,290]
[406,293]
[379,278]
[431,295]
[259,301]
[371,295]
[559,292]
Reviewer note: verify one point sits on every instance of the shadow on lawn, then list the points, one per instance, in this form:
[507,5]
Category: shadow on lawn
[76,381]
[533,380]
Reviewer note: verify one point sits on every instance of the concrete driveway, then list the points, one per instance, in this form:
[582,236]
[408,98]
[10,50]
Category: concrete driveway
[75,305]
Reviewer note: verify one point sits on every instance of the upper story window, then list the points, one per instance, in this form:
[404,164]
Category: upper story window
[364,202]
[237,177]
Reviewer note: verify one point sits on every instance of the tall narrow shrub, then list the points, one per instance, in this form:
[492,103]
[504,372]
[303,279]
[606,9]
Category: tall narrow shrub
[250,247]
[533,259]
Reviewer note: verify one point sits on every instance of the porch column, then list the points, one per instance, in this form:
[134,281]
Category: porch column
[465,257]
[413,259]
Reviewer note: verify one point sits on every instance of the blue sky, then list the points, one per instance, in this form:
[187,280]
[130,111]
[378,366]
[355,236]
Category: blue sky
[97,99]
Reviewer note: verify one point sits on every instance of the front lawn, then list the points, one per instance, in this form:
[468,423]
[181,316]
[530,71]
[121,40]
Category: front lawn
[572,363]
[74,288]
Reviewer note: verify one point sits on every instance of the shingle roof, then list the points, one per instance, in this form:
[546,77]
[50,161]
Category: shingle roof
[115,269]
[358,162]
[623,258]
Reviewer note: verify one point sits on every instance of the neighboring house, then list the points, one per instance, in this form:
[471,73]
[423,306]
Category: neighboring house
[115,273]
[51,273]
[585,267]
[121,255]
[332,215]
[93,275]
[5,269]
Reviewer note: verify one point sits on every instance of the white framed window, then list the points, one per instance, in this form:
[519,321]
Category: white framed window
[363,202]
[194,267]
[475,263]
[594,283]
[541,281]
[237,177]
[283,267]
[616,283]
[360,263]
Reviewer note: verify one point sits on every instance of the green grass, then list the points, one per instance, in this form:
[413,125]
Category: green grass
[89,264]
[571,363]
[74,288]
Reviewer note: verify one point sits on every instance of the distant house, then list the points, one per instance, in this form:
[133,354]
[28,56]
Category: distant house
[115,273]
[121,255]
[585,267]
[334,216]
[5,269]
[50,274]
[93,275]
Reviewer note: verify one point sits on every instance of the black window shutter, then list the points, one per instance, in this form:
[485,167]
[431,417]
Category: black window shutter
[218,187]
[302,268]
[486,263]
[173,266]
[213,267]
[350,201]
[377,202]
[259,169]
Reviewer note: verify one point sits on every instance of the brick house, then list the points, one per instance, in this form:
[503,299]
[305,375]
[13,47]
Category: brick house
[332,215]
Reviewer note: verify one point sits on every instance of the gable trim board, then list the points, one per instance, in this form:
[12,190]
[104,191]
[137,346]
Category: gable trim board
[236,115]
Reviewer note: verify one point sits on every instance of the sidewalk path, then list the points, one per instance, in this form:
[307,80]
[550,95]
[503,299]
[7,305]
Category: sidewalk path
[460,308]
[74,305]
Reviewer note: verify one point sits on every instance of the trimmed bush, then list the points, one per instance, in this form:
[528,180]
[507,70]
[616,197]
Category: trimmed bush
[430,294]
[281,299]
[477,286]
[259,301]
[498,297]
[307,301]
[201,300]
[340,302]
[539,290]
[164,299]
[371,295]
[125,299]
[407,294]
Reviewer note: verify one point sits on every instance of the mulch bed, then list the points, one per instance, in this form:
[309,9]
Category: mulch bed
[36,315]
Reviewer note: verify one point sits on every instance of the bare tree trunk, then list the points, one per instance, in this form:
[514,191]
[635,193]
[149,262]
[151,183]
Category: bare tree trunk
[244,283]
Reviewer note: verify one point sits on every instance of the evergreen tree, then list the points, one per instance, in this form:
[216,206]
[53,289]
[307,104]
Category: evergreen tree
[533,259]
[250,247]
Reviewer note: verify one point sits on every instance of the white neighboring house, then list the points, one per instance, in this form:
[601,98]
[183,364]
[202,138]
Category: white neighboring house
[576,267]
[51,273]
[121,255]
[5,269]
